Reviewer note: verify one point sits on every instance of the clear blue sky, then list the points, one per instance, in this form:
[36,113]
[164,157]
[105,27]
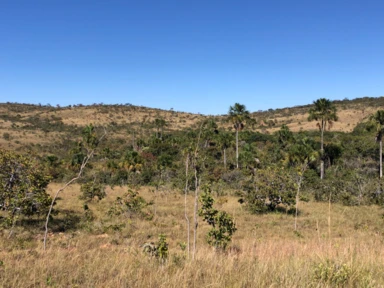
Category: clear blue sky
[195,56]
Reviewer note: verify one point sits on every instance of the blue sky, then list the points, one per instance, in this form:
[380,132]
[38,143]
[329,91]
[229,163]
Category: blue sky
[195,56]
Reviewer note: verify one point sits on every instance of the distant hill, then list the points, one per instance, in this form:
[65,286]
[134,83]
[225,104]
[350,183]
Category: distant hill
[22,124]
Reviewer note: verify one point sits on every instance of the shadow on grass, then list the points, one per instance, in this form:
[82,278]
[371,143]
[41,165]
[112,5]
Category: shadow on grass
[62,221]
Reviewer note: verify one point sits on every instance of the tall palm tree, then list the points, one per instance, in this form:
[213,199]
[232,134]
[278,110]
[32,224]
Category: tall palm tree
[238,114]
[324,112]
[378,120]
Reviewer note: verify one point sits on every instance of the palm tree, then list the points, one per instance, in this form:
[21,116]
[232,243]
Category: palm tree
[237,115]
[378,120]
[284,136]
[324,112]
[160,123]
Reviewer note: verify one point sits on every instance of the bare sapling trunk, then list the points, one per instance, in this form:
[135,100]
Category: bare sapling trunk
[196,223]
[197,184]
[299,183]
[322,151]
[297,199]
[79,174]
[237,148]
[381,158]
[185,206]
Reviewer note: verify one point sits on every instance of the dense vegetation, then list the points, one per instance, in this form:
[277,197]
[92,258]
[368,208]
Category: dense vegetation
[221,156]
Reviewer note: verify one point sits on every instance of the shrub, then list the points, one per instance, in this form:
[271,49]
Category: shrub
[92,190]
[222,223]
[270,187]
[23,184]
[130,204]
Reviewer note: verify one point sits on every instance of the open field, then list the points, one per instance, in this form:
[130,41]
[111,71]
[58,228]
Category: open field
[265,251]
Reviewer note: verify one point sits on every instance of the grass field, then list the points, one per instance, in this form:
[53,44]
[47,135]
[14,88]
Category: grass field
[344,248]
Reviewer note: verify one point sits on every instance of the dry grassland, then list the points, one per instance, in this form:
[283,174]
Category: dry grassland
[265,252]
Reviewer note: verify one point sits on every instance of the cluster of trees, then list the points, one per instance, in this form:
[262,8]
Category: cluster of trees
[267,171]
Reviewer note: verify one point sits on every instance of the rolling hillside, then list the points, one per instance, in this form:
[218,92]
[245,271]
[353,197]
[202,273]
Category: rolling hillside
[22,124]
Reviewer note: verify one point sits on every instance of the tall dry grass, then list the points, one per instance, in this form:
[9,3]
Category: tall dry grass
[265,251]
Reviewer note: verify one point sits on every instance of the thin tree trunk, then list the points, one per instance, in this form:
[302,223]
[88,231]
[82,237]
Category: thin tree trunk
[381,158]
[237,148]
[185,207]
[85,161]
[82,167]
[322,151]
[297,200]
[195,213]
[197,184]
[225,159]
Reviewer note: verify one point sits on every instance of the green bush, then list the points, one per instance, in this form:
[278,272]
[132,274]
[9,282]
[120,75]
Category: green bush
[23,183]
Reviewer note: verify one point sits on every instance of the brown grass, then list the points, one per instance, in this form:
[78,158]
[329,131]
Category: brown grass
[265,251]
[296,119]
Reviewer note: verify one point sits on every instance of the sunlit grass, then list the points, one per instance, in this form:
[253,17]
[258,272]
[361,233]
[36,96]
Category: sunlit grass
[265,251]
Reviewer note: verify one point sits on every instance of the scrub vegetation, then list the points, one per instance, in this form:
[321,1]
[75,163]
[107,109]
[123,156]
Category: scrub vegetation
[126,196]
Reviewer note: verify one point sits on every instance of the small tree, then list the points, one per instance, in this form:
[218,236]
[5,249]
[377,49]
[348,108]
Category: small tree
[23,183]
[90,143]
[159,250]
[274,186]
[92,190]
[300,156]
[222,223]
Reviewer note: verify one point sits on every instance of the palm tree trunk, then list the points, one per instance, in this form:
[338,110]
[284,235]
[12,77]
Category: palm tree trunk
[237,148]
[381,158]
[322,151]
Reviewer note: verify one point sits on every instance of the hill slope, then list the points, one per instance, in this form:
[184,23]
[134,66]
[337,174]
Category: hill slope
[22,124]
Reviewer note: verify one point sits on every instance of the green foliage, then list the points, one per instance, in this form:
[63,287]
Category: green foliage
[92,190]
[332,273]
[162,248]
[6,136]
[23,184]
[285,136]
[269,188]
[324,111]
[131,204]
[158,250]
[238,114]
[222,223]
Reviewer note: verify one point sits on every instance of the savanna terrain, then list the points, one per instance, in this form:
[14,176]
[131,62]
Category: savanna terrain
[147,181]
